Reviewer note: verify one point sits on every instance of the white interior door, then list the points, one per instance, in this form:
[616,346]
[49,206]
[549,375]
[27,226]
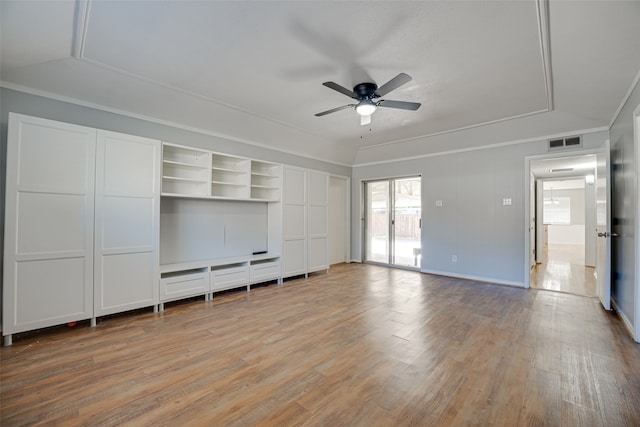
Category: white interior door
[603,227]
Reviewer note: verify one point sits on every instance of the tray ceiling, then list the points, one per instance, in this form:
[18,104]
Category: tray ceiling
[253,70]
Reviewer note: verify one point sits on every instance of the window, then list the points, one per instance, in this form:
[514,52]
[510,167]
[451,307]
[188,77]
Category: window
[557,210]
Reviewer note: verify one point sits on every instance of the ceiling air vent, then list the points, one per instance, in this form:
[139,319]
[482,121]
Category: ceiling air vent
[565,143]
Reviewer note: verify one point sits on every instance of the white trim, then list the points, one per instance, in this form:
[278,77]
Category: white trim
[527,197]
[542,8]
[74,101]
[625,321]
[489,280]
[636,137]
[625,99]
[83,8]
[488,146]
[527,221]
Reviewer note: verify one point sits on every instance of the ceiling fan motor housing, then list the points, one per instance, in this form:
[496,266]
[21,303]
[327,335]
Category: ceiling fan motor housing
[365,90]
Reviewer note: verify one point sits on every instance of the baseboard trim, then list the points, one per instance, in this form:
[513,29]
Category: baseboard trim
[491,280]
[625,320]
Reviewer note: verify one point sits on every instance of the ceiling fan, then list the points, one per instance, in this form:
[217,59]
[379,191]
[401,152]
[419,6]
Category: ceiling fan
[367,95]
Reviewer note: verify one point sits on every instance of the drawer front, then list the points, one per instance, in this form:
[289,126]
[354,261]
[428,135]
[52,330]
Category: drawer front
[264,272]
[227,278]
[184,286]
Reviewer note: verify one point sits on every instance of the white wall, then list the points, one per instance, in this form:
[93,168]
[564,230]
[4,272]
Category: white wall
[573,233]
[487,237]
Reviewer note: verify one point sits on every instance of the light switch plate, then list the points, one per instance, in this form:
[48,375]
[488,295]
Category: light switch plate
[438,203]
[506,201]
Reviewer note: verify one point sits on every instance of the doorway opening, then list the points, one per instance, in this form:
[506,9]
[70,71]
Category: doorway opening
[563,215]
[392,222]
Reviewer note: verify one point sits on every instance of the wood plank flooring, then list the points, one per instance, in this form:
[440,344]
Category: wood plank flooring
[563,270]
[361,346]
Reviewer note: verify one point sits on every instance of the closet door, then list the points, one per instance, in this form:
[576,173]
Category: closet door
[318,222]
[48,252]
[294,225]
[127,222]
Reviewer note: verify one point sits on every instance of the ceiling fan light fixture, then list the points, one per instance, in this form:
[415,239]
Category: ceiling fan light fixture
[366,108]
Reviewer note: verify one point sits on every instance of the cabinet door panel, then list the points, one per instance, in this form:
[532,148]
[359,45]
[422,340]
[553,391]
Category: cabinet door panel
[318,254]
[127,207]
[318,221]
[294,257]
[127,280]
[51,223]
[295,181]
[295,224]
[49,217]
[53,156]
[318,188]
[129,164]
[49,292]
[126,224]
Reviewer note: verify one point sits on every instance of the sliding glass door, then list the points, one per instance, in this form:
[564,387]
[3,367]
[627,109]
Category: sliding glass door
[392,222]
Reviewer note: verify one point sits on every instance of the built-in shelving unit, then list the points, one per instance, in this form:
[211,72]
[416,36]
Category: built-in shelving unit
[185,171]
[217,224]
[265,180]
[189,172]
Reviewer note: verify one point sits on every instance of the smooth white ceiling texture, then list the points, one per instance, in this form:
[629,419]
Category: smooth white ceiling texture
[253,70]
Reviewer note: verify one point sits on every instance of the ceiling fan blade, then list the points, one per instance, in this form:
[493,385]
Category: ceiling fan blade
[365,120]
[344,107]
[392,84]
[342,90]
[399,104]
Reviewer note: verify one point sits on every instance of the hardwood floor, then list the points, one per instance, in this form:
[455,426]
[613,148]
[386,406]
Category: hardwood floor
[361,346]
[563,270]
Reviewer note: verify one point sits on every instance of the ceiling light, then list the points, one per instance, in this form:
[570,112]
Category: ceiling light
[366,107]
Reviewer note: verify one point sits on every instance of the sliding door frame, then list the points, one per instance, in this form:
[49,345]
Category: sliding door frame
[391,221]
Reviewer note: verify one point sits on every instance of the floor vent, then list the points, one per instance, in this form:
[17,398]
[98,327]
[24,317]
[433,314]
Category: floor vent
[565,143]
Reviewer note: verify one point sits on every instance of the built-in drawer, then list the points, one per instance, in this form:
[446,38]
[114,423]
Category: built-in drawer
[183,284]
[265,270]
[229,277]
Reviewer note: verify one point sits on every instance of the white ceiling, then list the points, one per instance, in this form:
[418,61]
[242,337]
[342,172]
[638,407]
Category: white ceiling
[576,166]
[253,70]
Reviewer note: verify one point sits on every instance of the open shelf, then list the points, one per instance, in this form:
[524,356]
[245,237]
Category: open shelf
[190,172]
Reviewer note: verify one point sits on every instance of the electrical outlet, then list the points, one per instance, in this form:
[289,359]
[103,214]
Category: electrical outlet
[454,258]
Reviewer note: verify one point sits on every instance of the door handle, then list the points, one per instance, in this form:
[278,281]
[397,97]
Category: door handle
[607,234]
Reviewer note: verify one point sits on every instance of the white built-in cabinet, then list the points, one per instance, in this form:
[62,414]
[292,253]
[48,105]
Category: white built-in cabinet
[127,202]
[214,206]
[305,210]
[191,172]
[294,221]
[80,225]
[318,221]
[99,222]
